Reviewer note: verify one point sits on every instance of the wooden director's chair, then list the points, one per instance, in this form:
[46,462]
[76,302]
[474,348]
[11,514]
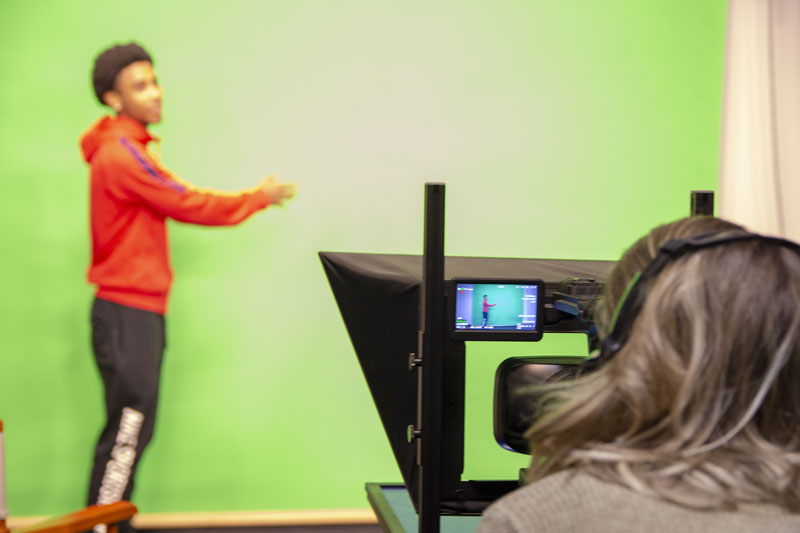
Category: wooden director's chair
[75,522]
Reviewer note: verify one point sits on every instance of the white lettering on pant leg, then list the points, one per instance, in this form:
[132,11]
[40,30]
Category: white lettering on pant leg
[118,469]
[129,426]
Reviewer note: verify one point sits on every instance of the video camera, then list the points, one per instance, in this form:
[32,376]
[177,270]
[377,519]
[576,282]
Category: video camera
[516,400]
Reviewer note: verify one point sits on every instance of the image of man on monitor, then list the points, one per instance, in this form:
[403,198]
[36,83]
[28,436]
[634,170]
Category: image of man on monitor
[486,306]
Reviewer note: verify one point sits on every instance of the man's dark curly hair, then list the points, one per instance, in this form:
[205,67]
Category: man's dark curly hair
[111,61]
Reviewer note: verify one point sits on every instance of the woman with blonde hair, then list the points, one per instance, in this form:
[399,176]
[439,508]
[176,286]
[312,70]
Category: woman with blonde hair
[691,422]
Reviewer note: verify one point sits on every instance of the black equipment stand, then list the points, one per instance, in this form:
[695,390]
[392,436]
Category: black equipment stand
[430,362]
[440,365]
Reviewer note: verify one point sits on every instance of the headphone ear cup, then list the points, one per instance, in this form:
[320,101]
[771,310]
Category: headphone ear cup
[620,320]
[626,295]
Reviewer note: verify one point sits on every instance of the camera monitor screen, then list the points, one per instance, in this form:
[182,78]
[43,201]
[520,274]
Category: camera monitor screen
[496,309]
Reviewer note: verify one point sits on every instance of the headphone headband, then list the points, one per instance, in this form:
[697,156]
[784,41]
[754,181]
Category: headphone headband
[634,295]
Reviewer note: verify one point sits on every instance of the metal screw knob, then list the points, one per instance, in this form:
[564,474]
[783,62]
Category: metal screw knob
[412,433]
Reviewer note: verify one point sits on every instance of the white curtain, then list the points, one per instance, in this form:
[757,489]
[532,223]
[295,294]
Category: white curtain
[759,184]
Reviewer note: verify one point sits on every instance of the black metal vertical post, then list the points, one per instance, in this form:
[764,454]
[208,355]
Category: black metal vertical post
[702,203]
[432,340]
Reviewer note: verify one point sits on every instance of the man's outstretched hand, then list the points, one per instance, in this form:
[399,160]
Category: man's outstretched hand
[277,191]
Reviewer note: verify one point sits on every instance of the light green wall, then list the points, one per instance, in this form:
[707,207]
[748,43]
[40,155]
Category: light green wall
[581,124]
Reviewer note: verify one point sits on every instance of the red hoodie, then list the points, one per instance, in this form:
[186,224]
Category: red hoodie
[131,196]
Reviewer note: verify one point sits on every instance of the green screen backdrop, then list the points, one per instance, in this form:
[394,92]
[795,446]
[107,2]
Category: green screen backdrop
[562,130]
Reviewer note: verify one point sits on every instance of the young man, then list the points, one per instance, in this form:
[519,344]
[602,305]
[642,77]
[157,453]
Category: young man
[486,306]
[132,195]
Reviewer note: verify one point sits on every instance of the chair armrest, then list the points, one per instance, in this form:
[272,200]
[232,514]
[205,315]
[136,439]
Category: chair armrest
[84,520]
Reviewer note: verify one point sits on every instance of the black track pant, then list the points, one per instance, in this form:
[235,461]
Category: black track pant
[128,347]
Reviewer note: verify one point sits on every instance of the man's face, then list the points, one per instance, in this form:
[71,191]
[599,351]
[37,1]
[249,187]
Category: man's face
[136,93]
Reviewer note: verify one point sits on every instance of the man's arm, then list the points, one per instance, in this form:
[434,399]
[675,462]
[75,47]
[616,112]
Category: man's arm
[140,178]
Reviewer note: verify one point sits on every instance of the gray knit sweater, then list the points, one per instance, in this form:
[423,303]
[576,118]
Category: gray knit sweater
[577,502]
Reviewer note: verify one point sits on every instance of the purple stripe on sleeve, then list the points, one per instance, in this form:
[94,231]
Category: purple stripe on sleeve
[150,170]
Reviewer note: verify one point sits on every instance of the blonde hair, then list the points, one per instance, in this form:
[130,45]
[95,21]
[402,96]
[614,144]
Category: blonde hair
[701,405]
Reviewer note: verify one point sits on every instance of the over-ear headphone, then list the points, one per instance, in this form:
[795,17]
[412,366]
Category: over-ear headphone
[636,292]
[510,432]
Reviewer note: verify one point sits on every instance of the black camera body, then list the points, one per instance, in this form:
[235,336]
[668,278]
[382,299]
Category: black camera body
[517,401]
